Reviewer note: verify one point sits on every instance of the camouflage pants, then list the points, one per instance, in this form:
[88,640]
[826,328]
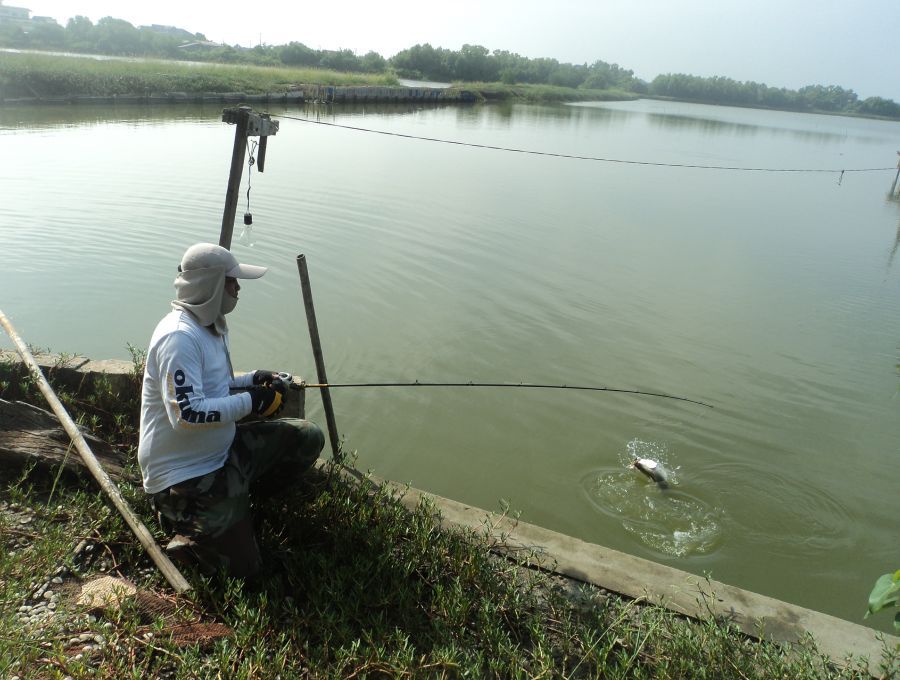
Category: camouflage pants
[213,510]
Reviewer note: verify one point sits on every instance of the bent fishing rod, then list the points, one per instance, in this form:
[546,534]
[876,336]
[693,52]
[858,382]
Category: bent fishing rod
[417,383]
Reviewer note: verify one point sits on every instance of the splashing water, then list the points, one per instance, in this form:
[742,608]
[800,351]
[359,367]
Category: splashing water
[658,451]
[672,522]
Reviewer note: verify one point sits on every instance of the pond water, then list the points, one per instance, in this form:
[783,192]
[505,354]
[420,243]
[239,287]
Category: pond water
[773,296]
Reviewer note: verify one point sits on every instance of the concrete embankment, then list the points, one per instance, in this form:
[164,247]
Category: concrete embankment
[298,95]
[628,576]
[756,615]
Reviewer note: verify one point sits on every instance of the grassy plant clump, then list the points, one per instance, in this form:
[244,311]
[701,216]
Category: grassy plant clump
[356,584]
[44,75]
[544,93]
[48,76]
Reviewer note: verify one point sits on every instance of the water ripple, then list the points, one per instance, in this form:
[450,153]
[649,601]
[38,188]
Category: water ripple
[781,510]
[672,522]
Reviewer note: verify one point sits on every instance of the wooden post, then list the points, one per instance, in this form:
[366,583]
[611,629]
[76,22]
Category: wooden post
[249,124]
[896,177]
[320,360]
[261,155]
[242,115]
[173,576]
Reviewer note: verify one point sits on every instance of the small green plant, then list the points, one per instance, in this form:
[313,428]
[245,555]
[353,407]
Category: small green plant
[138,360]
[886,593]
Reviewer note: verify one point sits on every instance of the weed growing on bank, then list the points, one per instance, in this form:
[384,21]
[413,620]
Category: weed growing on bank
[544,93]
[31,75]
[45,75]
[355,585]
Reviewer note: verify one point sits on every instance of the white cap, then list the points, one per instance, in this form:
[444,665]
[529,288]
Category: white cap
[209,255]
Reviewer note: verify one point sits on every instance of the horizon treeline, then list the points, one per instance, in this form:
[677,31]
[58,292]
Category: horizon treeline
[471,63]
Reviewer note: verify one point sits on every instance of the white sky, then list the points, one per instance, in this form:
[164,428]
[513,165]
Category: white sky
[783,43]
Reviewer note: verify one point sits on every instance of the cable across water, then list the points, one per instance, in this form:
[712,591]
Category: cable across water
[581,158]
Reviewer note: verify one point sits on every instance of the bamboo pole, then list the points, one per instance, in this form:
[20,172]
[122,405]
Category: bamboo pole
[173,576]
[320,360]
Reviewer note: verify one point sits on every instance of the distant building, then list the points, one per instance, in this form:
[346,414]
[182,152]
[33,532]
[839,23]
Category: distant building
[19,16]
[173,30]
[14,15]
[198,45]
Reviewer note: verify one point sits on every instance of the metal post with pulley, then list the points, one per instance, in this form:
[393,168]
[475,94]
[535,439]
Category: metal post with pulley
[249,124]
[252,124]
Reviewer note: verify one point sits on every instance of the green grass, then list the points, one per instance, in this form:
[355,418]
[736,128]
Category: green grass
[356,585]
[544,93]
[43,75]
[48,76]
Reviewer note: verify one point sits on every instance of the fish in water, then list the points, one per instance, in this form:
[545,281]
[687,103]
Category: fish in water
[654,470]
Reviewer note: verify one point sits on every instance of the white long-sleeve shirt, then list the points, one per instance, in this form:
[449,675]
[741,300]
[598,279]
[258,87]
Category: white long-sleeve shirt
[187,413]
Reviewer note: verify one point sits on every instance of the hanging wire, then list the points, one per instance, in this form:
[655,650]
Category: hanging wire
[251,161]
[581,158]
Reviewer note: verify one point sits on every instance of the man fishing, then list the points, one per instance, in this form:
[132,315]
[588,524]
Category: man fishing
[199,464]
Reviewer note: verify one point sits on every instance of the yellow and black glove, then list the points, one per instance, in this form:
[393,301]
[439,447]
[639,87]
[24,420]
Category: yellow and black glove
[264,377]
[267,401]
[280,381]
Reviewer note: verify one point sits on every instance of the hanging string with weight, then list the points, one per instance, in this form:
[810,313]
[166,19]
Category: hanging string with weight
[247,234]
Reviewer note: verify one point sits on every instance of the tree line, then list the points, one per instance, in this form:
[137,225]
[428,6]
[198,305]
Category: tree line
[471,63]
[474,63]
[719,90]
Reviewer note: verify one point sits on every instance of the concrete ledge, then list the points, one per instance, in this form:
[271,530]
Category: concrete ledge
[299,94]
[75,372]
[756,615]
[45,361]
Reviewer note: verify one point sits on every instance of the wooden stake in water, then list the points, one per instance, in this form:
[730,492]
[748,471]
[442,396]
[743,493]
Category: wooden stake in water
[896,177]
[320,360]
[169,570]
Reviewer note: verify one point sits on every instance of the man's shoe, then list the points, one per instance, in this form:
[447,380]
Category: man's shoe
[186,552]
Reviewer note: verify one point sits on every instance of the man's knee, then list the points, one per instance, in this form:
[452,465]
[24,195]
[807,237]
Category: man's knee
[307,441]
[315,439]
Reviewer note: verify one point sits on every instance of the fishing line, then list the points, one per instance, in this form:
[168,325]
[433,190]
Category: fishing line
[247,233]
[580,158]
[251,161]
[504,384]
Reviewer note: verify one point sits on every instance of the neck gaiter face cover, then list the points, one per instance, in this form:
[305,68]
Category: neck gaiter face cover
[202,293]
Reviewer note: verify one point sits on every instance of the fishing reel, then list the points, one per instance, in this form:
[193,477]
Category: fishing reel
[288,380]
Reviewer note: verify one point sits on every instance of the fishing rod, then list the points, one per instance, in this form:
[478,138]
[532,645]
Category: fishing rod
[417,383]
